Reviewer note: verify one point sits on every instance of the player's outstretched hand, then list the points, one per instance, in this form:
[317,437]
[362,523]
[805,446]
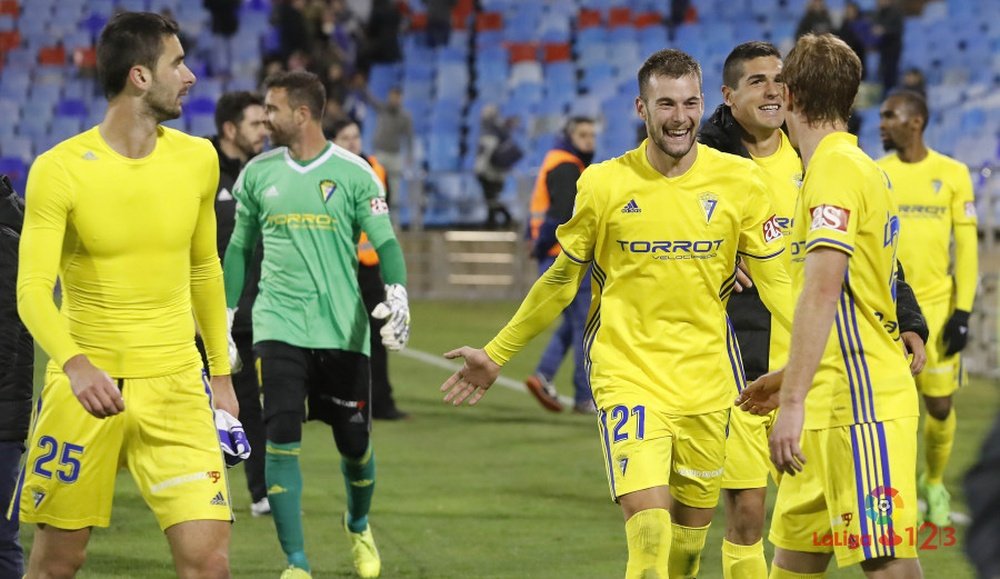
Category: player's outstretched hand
[93,387]
[395,310]
[476,376]
[784,440]
[915,351]
[762,395]
[235,363]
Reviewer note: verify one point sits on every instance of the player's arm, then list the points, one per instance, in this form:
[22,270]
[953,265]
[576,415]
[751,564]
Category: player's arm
[49,203]
[762,247]
[207,291]
[966,273]
[246,232]
[561,185]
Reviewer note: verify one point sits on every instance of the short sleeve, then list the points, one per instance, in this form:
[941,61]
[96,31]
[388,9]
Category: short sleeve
[579,235]
[832,199]
[963,202]
[760,230]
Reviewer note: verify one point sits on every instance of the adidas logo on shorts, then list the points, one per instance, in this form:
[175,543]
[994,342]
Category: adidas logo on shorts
[218,500]
[631,207]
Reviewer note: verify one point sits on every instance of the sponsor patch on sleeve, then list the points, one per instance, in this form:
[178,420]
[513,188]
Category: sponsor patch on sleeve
[379,206]
[829,217]
[970,209]
[772,230]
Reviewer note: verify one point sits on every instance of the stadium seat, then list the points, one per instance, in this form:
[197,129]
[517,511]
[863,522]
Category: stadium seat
[17,170]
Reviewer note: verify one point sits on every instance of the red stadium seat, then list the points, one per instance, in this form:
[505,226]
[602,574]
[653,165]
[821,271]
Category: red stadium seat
[557,52]
[52,55]
[620,16]
[9,39]
[588,18]
[646,19]
[85,58]
[9,8]
[489,21]
[418,20]
[522,51]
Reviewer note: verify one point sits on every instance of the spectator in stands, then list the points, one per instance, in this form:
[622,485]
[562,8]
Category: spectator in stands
[16,364]
[552,203]
[224,15]
[888,30]
[439,21]
[913,80]
[383,33]
[393,140]
[293,28]
[342,46]
[335,82]
[240,134]
[816,19]
[345,132]
[495,156]
[855,30]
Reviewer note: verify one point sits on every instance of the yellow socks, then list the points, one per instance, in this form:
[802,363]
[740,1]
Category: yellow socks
[685,550]
[648,536]
[940,436]
[779,573]
[743,561]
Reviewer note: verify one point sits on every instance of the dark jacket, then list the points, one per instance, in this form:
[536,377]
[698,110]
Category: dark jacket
[17,351]
[749,316]
[225,216]
[561,184]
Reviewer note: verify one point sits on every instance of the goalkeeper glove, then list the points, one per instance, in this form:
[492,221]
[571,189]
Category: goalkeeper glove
[956,332]
[232,438]
[395,310]
[235,364]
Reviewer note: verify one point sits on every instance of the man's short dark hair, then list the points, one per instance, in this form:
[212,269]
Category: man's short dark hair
[130,39]
[915,102]
[231,107]
[732,70]
[338,124]
[303,88]
[575,121]
[669,62]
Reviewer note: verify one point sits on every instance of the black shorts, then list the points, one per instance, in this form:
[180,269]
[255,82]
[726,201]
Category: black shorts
[329,385]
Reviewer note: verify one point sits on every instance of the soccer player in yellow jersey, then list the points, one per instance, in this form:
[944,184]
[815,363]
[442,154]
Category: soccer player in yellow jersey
[748,124]
[936,207]
[848,401]
[661,227]
[123,215]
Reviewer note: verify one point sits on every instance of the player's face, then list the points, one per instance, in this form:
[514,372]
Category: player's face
[252,131]
[896,125]
[280,117]
[583,137]
[171,81]
[757,101]
[349,138]
[672,109]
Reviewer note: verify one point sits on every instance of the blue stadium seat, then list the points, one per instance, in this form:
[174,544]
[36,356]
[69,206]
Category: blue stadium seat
[16,168]
[71,107]
[19,147]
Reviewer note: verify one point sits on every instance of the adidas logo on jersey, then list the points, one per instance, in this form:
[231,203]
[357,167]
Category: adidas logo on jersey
[89,156]
[631,207]
[218,500]
[271,191]
[224,195]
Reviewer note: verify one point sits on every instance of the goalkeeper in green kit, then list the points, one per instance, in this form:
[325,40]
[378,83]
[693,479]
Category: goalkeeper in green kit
[310,200]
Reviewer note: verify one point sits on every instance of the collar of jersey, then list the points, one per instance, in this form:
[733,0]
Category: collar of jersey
[305,167]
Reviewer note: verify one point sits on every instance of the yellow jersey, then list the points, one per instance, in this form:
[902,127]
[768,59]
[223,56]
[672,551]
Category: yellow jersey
[934,196]
[846,204]
[783,176]
[133,242]
[663,252]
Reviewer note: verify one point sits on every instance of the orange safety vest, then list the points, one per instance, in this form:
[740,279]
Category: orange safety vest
[540,199]
[366,253]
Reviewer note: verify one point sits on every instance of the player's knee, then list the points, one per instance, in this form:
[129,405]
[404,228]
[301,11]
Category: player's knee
[745,518]
[64,565]
[211,565]
[284,428]
[938,407]
[352,444]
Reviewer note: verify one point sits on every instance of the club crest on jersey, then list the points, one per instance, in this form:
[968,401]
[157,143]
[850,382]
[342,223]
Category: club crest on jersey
[326,189]
[708,202]
[829,217]
[936,184]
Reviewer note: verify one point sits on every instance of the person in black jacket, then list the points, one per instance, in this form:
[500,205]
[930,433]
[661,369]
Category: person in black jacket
[16,364]
[241,130]
[749,124]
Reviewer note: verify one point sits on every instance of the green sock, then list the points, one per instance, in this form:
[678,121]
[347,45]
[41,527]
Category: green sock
[359,480]
[284,492]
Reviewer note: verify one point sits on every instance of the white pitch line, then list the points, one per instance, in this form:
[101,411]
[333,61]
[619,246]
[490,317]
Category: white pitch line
[441,362]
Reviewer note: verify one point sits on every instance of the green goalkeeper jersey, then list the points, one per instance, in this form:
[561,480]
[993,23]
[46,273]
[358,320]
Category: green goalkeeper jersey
[310,216]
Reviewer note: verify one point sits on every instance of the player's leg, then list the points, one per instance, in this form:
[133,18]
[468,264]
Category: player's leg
[57,553]
[284,372]
[171,448]
[790,564]
[11,553]
[637,450]
[340,398]
[695,482]
[248,395]
[200,549]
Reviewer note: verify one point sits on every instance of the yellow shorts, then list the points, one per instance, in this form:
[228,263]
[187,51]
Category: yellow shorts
[166,437]
[748,458]
[645,449]
[857,496]
[941,376]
